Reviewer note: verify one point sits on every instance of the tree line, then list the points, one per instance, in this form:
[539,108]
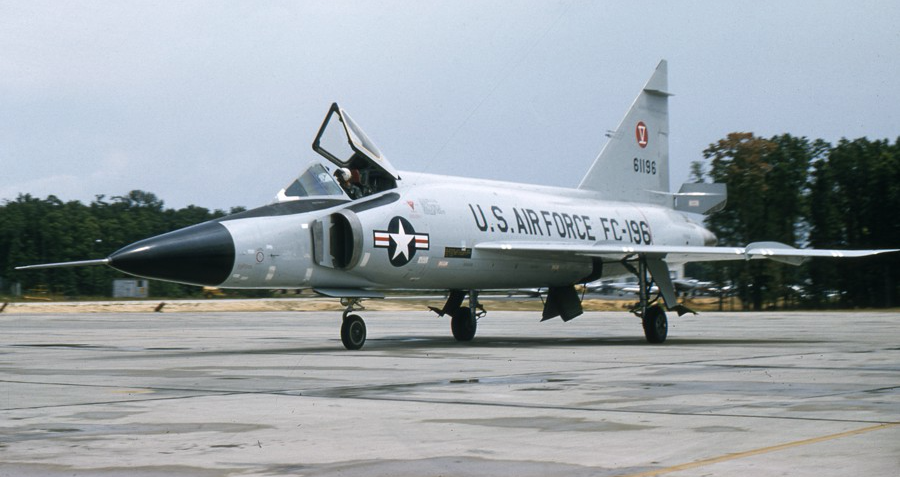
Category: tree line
[34,230]
[806,193]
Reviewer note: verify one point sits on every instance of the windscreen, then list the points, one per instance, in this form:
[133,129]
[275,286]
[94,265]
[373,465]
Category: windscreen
[316,181]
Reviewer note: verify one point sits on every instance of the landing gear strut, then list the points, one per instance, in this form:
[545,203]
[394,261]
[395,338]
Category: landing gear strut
[463,319]
[652,315]
[353,328]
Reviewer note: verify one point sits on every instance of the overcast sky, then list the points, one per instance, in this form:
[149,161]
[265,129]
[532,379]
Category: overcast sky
[216,103]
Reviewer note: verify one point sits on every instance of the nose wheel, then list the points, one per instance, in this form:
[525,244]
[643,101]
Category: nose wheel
[353,332]
[353,328]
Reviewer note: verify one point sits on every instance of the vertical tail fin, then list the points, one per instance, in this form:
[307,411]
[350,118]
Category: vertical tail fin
[634,164]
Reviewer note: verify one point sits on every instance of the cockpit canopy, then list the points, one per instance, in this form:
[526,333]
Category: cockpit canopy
[344,144]
[315,181]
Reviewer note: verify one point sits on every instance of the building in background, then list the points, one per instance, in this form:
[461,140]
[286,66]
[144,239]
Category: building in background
[127,288]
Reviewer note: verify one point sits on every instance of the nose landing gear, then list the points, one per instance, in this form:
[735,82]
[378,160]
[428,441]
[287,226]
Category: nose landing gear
[353,328]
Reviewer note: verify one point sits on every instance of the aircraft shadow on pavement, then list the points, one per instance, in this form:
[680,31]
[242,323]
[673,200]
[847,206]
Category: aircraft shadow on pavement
[445,344]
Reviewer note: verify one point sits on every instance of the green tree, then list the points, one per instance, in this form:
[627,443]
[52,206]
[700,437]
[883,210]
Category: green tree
[854,192]
[767,185]
[48,230]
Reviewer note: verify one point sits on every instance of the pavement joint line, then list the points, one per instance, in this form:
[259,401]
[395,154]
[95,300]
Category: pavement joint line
[121,401]
[804,368]
[330,392]
[588,409]
[320,393]
[856,391]
[151,388]
[762,450]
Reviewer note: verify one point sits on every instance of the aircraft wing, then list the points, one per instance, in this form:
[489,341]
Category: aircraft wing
[674,253]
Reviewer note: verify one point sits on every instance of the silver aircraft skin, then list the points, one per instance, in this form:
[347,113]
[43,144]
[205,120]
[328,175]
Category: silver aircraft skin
[385,229]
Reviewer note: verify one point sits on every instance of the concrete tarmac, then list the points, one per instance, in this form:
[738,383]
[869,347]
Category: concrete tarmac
[245,394]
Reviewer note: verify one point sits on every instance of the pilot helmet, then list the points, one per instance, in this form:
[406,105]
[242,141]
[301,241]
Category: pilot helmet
[343,173]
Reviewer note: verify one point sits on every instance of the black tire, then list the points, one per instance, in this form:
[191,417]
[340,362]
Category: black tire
[656,326]
[353,332]
[463,324]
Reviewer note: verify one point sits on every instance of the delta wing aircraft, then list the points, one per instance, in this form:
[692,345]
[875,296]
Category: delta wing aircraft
[352,226]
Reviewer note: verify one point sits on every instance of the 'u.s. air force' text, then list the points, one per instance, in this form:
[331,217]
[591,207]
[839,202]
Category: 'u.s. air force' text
[546,223]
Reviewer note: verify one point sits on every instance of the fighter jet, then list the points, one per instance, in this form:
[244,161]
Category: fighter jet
[351,226]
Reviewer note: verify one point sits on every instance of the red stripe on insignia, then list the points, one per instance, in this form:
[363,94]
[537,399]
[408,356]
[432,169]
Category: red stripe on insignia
[382,239]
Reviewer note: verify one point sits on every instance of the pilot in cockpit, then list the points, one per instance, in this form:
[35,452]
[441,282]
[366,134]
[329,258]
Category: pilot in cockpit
[345,179]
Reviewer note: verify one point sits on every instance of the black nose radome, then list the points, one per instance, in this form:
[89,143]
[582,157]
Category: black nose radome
[202,254]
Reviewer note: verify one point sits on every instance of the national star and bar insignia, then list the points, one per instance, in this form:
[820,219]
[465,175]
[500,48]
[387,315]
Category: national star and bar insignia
[401,240]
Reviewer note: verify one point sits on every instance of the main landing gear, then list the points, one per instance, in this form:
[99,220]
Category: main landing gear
[652,315]
[463,319]
[656,326]
[353,328]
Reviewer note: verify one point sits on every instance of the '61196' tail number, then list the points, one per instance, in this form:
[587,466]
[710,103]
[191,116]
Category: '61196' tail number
[644,166]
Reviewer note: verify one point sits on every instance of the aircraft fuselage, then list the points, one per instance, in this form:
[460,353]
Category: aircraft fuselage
[423,234]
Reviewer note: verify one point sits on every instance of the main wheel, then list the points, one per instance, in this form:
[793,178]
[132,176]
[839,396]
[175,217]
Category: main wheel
[353,332]
[656,326]
[463,324]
